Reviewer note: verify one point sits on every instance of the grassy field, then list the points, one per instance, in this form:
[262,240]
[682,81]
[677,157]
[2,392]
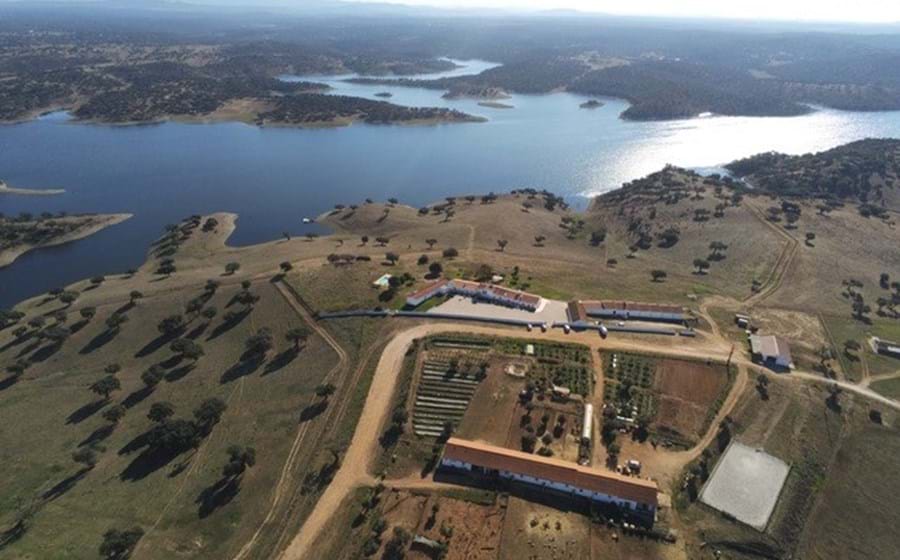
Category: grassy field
[177,502]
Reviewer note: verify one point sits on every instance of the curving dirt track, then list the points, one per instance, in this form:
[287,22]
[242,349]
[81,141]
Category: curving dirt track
[354,469]
[284,483]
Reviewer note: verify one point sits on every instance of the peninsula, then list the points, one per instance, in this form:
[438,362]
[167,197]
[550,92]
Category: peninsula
[24,233]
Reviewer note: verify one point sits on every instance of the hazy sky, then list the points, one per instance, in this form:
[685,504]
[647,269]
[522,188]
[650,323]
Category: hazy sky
[873,11]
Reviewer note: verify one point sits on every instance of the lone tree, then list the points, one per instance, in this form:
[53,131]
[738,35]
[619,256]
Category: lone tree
[232,268]
[209,413]
[382,241]
[325,390]
[68,297]
[85,456]
[431,243]
[392,258]
[701,265]
[105,386]
[286,267]
[187,349]
[658,275]
[716,249]
[258,344]
[118,545]
[115,321]
[297,336]
[450,253]
[160,411]
[172,325]
[114,413]
[501,244]
[239,460]
[88,313]
[539,240]
[435,269]
[153,376]
[209,313]
[134,296]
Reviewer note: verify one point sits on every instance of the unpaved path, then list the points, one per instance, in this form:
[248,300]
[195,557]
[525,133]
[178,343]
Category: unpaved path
[364,446]
[782,265]
[284,481]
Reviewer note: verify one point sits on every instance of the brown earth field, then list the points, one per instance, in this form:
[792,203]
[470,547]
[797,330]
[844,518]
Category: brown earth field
[688,391]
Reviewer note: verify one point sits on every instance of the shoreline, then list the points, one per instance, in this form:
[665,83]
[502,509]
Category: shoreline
[6,189]
[102,221]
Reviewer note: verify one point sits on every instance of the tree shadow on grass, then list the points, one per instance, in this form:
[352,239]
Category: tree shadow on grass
[64,486]
[76,327]
[99,341]
[86,411]
[136,397]
[313,410]
[154,345]
[45,353]
[8,382]
[197,331]
[29,349]
[17,341]
[125,308]
[149,461]
[228,325]
[281,360]
[98,435]
[139,442]
[241,369]
[216,496]
[180,372]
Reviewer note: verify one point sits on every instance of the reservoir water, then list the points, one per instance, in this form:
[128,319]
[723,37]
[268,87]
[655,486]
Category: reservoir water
[274,176]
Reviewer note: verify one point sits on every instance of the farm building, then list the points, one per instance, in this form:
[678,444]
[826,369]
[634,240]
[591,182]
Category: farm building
[885,347]
[476,290]
[580,311]
[636,494]
[771,351]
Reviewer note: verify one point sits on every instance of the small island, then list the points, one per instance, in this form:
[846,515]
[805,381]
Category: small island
[592,104]
[6,189]
[494,105]
[384,94]
[26,232]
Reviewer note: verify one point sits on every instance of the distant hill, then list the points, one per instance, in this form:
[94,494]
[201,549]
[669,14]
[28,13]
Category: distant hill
[865,171]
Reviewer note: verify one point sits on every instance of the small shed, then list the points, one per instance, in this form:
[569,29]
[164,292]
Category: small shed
[772,351]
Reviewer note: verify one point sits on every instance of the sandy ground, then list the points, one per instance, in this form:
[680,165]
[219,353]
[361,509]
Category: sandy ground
[552,312]
[101,221]
[6,189]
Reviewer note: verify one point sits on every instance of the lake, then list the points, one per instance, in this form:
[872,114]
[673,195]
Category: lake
[273,177]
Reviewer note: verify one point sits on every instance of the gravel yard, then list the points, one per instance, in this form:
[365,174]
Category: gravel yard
[551,311]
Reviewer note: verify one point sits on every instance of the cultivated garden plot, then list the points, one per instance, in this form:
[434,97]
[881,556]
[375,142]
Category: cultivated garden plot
[746,484]
[676,399]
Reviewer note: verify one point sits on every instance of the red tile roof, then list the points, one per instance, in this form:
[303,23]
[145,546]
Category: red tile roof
[430,289]
[586,478]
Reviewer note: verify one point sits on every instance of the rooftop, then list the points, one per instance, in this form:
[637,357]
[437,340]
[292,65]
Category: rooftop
[499,458]
[594,306]
[770,345]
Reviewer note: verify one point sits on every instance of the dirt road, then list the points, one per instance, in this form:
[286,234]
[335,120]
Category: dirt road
[364,447]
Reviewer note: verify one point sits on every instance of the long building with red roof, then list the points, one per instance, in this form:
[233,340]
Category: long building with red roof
[631,493]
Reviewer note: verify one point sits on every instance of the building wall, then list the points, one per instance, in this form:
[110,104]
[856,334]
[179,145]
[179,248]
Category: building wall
[558,486]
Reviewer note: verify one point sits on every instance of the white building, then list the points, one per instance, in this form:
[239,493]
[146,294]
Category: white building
[476,290]
[631,493]
[580,311]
